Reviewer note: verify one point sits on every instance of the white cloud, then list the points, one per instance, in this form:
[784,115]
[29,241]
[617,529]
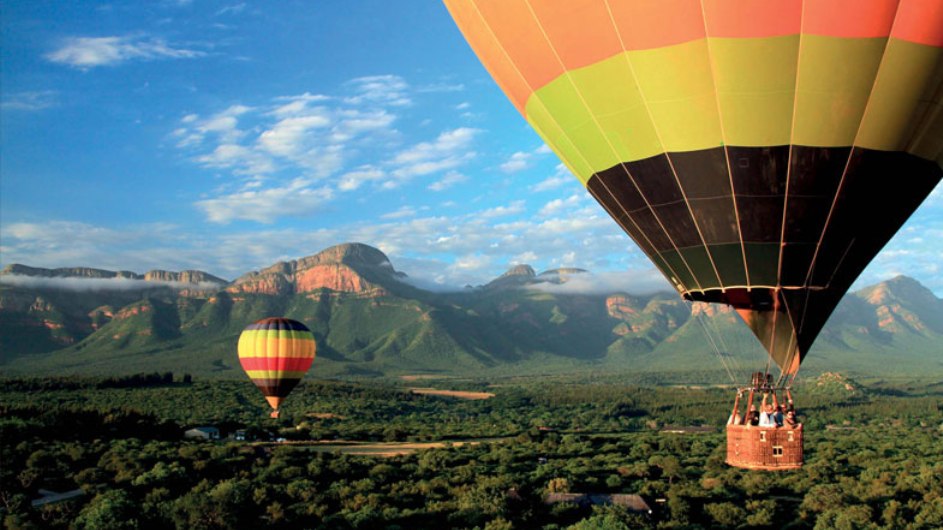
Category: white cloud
[451,149]
[515,207]
[444,146]
[309,134]
[351,123]
[474,263]
[233,9]
[223,122]
[441,87]
[352,180]
[287,137]
[135,247]
[314,136]
[223,126]
[297,104]
[379,90]
[298,198]
[558,206]
[241,159]
[524,258]
[522,160]
[90,52]
[30,101]
[560,178]
[517,162]
[643,281]
[447,181]
[402,213]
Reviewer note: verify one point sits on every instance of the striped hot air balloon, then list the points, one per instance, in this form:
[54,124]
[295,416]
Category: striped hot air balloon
[276,353]
[760,152]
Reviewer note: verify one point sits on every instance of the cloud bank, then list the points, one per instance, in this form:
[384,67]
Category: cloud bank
[98,284]
[643,281]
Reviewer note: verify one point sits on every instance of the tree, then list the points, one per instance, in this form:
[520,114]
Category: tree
[113,509]
[726,513]
[761,512]
[611,518]
[558,485]
[224,505]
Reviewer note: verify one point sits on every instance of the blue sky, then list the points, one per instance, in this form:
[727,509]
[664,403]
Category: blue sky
[226,136]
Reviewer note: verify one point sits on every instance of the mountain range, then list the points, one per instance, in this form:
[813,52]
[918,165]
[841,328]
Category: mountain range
[368,319]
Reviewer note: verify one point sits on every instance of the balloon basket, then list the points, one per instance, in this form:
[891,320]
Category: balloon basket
[765,448]
[775,445]
[274,414]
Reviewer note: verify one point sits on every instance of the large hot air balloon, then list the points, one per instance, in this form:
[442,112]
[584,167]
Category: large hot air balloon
[759,152]
[276,353]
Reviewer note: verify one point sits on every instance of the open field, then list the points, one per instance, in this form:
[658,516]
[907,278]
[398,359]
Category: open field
[460,394]
[421,377]
[379,449]
[324,416]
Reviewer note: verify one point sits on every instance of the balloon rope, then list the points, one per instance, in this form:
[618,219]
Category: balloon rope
[734,363]
[713,344]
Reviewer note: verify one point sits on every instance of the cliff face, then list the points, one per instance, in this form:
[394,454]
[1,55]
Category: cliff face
[68,272]
[347,268]
[619,306]
[197,277]
[182,277]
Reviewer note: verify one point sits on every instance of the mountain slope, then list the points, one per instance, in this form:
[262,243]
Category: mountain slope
[367,320]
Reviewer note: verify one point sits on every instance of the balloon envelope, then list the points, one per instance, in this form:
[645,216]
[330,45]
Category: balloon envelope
[760,153]
[276,353]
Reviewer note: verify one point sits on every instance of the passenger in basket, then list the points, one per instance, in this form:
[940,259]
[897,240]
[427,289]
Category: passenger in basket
[766,417]
[753,417]
[791,420]
[778,416]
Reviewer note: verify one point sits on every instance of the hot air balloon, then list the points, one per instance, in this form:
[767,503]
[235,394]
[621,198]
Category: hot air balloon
[760,153]
[276,353]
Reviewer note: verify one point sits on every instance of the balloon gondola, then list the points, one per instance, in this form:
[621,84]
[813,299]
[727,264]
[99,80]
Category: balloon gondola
[276,353]
[759,153]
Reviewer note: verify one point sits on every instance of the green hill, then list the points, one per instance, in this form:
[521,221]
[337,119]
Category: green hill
[368,320]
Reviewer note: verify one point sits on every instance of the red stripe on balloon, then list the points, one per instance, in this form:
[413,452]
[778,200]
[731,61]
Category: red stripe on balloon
[289,364]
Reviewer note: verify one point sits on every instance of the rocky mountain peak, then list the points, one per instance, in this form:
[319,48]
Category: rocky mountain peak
[903,302]
[352,254]
[896,288]
[520,270]
[516,276]
[349,267]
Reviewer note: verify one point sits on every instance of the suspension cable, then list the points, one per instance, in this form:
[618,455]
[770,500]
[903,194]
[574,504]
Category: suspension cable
[734,361]
[713,343]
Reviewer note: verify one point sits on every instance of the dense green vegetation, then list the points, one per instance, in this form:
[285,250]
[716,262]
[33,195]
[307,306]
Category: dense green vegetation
[121,441]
